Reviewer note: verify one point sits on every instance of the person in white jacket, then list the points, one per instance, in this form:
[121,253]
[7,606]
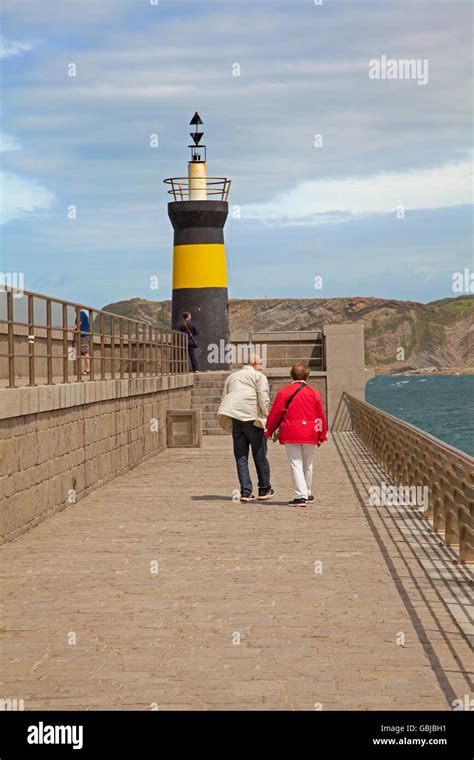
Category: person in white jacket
[243,412]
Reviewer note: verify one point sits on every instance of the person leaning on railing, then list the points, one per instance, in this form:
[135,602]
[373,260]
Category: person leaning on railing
[188,327]
[85,341]
[298,414]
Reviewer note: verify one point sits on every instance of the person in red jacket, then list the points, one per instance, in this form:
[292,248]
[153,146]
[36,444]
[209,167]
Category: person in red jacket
[299,415]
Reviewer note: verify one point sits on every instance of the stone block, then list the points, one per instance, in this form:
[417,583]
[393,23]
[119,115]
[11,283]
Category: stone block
[24,425]
[91,472]
[47,444]
[24,479]
[7,486]
[184,428]
[27,451]
[29,400]
[7,427]
[10,403]
[48,398]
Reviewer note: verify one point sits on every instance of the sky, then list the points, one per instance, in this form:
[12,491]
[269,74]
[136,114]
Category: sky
[345,182]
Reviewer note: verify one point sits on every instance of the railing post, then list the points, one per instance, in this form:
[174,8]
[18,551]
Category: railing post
[11,341]
[31,340]
[148,351]
[112,347]
[78,345]
[137,337]
[65,346]
[121,348]
[161,353]
[91,343]
[155,353]
[102,347]
[49,344]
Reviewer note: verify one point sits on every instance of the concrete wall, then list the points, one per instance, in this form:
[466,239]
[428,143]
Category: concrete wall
[345,367]
[58,443]
[335,356]
[283,349]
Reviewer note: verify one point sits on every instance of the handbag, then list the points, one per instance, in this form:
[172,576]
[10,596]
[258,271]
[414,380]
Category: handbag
[276,434]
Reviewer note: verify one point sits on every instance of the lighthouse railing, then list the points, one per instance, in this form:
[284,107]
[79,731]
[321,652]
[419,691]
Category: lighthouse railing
[45,341]
[217,188]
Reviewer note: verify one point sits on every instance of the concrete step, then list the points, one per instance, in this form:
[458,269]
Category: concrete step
[203,392]
[212,373]
[207,398]
[203,380]
[203,397]
[206,387]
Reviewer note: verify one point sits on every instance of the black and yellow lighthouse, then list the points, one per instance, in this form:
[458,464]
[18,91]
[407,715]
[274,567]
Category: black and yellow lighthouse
[198,213]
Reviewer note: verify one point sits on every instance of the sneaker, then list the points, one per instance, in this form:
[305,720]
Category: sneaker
[246,498]
[267,495]
[297,503]
[310,498]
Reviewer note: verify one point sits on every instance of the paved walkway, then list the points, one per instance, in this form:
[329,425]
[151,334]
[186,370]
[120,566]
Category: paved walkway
[89,624]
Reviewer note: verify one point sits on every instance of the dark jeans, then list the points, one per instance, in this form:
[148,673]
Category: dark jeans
[192,357]
[245,435]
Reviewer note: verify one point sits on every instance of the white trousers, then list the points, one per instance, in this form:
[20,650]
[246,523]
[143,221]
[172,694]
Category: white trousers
[300,457]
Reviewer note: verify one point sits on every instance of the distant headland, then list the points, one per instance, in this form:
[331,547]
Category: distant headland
[437,337]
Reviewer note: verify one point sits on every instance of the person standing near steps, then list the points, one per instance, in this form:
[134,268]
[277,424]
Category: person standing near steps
[243,412]
[187,326]
[298,414]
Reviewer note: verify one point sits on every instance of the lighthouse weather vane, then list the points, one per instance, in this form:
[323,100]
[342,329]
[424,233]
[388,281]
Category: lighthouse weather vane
[197,137]
[198,213]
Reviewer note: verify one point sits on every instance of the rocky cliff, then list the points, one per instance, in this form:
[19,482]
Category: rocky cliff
[434,336]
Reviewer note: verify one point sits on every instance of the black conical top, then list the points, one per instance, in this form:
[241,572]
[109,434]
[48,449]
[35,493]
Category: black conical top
[196,119]
[196,136]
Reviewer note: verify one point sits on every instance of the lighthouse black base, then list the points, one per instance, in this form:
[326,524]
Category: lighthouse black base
[209,307]
[200,276]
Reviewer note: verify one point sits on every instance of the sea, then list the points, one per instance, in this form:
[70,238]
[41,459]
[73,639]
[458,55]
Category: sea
[442,405]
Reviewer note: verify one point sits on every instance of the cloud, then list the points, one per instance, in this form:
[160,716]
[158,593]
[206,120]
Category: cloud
[304,71]
[11,48]
[347,198]
[8,143]
[20,196]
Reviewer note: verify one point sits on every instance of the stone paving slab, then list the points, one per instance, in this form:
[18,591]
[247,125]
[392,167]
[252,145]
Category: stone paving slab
[233,615]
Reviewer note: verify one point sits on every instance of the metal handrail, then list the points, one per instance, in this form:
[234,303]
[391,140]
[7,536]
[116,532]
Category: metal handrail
[118,347]
[180,189]
[411,456]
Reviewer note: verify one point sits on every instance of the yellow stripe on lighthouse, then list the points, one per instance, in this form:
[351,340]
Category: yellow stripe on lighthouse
[199,266]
